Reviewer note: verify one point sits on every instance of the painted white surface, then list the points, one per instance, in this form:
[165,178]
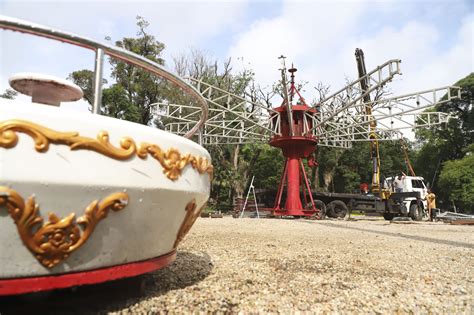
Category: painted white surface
[65,181]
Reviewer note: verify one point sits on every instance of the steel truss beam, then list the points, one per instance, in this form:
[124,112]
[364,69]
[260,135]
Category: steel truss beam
[236,120]
[352,94]
[395,111]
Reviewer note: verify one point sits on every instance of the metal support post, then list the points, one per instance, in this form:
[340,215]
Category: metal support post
[277,205]
[285,93]
[308,187]
[98,74]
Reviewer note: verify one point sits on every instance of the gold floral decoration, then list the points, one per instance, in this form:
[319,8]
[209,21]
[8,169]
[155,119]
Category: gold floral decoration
[202,165]
[192,213]
[54,241]
[43,136]
[172,161]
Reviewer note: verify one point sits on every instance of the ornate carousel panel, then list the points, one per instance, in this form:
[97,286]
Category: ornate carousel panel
[86,198]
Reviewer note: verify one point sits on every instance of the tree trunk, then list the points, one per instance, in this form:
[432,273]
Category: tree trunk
[237,189]
[315,173]
[327,179]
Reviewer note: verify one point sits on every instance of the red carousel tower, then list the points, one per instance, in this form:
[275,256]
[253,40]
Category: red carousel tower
[296,144]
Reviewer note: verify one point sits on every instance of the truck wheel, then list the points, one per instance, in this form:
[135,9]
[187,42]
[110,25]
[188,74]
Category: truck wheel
[330,211]
[388,216]
[415,212]
[322,209]
[337,209]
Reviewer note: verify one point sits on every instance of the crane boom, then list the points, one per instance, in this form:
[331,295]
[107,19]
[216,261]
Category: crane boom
[407,160]
[352,94]
[374,143]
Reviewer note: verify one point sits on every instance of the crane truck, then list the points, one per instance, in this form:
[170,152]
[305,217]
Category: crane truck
[382,199]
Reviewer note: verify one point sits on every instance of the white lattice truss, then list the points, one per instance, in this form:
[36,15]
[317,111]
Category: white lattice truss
[341,117]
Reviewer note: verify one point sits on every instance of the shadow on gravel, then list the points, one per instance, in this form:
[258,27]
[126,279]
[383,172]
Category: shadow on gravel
[188,269]
[408,236]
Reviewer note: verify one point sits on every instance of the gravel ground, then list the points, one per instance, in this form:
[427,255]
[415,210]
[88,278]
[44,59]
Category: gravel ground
[291,266]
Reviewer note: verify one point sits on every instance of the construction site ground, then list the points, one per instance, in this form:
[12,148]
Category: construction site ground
[366,265]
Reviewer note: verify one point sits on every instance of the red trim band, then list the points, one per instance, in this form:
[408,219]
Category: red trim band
[46,283]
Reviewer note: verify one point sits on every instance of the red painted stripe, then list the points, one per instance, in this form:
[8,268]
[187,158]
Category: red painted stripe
[46,283]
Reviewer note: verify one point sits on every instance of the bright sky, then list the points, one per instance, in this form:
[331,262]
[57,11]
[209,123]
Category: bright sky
[433,38]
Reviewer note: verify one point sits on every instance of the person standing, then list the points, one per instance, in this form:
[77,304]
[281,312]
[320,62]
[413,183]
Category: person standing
[398,183]
[431,201]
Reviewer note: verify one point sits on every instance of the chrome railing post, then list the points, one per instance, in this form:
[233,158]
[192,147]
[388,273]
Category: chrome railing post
[200,136]
[101,49]
[98,74]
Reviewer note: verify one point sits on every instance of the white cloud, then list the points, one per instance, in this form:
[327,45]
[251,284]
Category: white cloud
[307,33]
[412,43]
[321,37]
[177,24]
[454,63]
[318,36]
[425,62]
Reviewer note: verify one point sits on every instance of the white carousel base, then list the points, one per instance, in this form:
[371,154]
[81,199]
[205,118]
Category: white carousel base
[66,179]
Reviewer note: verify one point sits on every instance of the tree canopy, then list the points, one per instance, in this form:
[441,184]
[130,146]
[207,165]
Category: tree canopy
[457,181]
[134,91]
[9,94]
[449,143]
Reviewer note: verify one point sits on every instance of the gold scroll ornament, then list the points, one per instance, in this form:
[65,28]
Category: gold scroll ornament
[54,241]
[192,213]
[172,161]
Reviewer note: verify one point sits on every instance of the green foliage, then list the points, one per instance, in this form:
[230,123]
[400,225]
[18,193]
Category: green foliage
[457,181]
[138,89]
[392,160]
[223,175]
[328,159]
[448,142]
[344,170]
[347,180]
[353,168]
[9,94]
[268,168]
[135,91]
[85,80]
[234,164]
[234,167]
[117,105]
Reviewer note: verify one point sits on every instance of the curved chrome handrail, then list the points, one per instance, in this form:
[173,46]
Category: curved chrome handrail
[21,26]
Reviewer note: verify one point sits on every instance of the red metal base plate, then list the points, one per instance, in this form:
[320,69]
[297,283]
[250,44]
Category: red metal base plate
[46,283]
[294,212]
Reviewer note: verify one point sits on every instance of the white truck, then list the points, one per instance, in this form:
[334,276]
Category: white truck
[408,203]
[411,184]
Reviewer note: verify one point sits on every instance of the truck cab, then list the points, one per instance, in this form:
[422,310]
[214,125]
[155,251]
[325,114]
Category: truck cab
[410,184]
